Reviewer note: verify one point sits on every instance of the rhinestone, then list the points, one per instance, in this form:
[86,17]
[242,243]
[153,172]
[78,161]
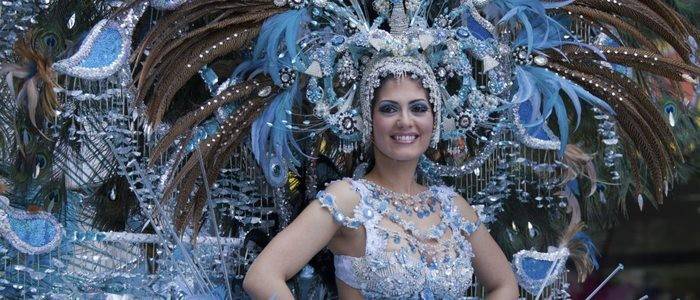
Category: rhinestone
[264,92]
[541,60]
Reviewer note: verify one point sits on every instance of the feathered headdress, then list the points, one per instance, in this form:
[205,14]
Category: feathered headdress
[534,96]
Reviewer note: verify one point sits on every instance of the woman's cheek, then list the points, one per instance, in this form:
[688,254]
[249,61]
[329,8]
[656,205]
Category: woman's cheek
[426,126]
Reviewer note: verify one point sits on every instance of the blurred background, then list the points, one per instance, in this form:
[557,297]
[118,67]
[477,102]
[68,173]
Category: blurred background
[659,247]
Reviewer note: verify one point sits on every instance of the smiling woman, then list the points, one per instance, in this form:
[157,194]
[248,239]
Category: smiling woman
[391,236]
[402,119]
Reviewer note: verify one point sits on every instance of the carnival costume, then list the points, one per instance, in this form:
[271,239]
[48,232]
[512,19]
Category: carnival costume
[214,122]
[424,264]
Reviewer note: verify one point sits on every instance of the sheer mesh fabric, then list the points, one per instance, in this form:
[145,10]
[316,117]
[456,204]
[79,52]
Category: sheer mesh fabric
[400,265]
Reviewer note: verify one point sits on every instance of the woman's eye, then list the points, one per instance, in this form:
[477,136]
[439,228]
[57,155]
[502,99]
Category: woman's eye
[419,108]
[387,108]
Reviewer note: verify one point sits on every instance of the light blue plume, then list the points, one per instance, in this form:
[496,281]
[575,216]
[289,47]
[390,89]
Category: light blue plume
[549,33]
[277,41]
[276,46]
[248,69]
[272,139]
[531,14]
[542,89]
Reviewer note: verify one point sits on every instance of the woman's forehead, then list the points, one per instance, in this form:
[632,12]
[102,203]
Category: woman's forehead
[401,88]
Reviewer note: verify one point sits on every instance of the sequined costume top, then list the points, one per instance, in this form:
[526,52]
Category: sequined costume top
[402,261]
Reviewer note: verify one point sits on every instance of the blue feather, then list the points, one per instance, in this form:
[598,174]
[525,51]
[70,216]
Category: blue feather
[543,85]
[276,45]
[590,248]
[272,141]
[563,122]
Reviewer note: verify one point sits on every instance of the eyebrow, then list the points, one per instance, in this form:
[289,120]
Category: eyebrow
[411,102]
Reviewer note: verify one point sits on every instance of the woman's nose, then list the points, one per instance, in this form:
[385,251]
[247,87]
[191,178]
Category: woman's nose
[404,119]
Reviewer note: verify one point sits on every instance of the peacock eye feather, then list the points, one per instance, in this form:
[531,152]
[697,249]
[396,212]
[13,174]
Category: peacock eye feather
[41,161]
[50,40]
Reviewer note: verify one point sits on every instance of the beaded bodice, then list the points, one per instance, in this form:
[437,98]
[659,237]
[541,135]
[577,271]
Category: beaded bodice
[402,261]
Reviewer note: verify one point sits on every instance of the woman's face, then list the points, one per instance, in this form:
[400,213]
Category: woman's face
[402,119]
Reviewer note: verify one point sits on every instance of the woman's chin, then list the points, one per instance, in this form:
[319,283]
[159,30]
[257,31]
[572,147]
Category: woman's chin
[404,154]
[402,151]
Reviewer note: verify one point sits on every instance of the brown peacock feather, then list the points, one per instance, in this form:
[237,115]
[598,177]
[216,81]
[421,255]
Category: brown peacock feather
[210,146]
[36,88]
[167,51]
[630,121]
[600,17]
[643,60]
[173,22]
[643,102]
[669,14]
[633,159]
[176,75]
[233,93]
[642,14]
[235,128]
[579,163]
[620,101]
[578,251]
[174,61]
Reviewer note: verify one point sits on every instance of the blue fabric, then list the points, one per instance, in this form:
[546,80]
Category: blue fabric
[536,268]
[477,30]
[105,49]
[36,232]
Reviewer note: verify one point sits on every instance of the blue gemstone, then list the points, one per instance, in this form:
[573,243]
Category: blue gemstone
[328,199]
[337,40]
[441,35]
[463,33]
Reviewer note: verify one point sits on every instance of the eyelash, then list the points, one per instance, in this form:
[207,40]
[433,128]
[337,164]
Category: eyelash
[387,108]
[419,108]
[416,108]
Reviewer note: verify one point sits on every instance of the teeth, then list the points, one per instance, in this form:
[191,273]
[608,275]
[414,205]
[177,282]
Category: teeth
[405,138]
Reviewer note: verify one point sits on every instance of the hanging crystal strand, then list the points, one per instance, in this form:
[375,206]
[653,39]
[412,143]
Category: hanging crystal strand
[528,174]
[493,159]
[536,178]
[468,186]
[521,174]
[282,206]
[551,172]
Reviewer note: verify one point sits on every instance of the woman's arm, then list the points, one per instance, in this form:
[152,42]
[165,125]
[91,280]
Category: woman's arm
[490,264]
[293,247]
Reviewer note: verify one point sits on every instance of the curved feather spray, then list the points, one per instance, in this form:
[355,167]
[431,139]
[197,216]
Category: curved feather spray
[272,139]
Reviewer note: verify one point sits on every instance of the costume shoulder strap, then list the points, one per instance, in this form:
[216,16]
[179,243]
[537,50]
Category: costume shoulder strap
[330,199]
[452,212]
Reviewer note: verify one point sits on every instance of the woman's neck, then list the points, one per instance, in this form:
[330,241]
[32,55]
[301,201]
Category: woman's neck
[398,176]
